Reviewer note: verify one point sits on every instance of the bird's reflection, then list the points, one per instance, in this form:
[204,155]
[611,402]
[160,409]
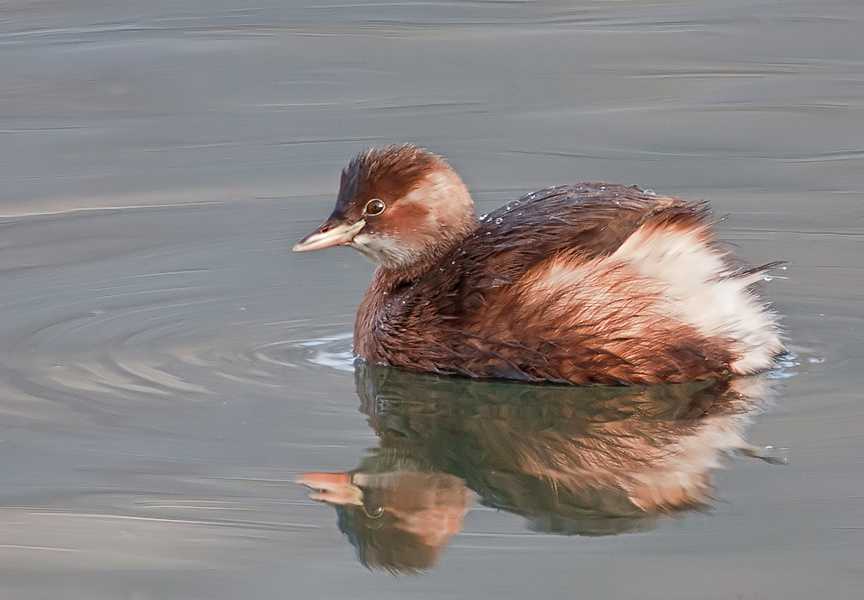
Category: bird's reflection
[589,461]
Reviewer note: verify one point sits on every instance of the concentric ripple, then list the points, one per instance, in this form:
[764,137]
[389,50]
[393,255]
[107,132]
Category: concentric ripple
[143,307]
[330,351]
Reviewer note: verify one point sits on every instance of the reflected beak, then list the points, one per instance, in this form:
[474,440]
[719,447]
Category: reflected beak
[328,235]
[334,488]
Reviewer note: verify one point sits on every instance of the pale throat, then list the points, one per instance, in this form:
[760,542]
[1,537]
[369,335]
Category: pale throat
[386,251]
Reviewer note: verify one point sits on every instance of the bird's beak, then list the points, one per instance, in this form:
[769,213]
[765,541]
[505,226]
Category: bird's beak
[331,233]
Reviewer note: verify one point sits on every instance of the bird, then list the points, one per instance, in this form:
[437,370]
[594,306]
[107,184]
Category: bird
[589,283]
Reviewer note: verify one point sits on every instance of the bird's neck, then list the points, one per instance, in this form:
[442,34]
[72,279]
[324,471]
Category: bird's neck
[432,256]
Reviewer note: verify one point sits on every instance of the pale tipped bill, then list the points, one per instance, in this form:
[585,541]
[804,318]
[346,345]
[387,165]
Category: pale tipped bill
[329,235]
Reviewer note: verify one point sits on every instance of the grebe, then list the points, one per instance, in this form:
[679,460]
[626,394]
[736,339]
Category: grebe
[584,283]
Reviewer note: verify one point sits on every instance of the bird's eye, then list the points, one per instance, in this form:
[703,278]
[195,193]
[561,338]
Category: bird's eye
[374,207]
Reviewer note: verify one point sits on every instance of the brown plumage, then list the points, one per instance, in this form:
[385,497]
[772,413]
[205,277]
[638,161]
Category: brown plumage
[587,283]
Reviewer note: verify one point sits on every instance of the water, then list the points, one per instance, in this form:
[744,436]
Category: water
[168,369]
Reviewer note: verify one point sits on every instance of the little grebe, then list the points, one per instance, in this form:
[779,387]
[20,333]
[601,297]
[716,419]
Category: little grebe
[585,283]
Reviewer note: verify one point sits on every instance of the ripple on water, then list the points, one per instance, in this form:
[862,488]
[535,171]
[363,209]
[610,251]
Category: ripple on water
[795,360]
[331,351]
[134,362]
[787,366]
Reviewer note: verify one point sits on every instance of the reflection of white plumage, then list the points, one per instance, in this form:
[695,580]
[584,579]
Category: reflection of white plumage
[591,461]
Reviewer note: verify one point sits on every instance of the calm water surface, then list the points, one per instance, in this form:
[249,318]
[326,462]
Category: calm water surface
[168,370]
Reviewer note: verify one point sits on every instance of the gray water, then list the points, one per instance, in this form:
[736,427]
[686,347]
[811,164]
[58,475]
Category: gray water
[168,369]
